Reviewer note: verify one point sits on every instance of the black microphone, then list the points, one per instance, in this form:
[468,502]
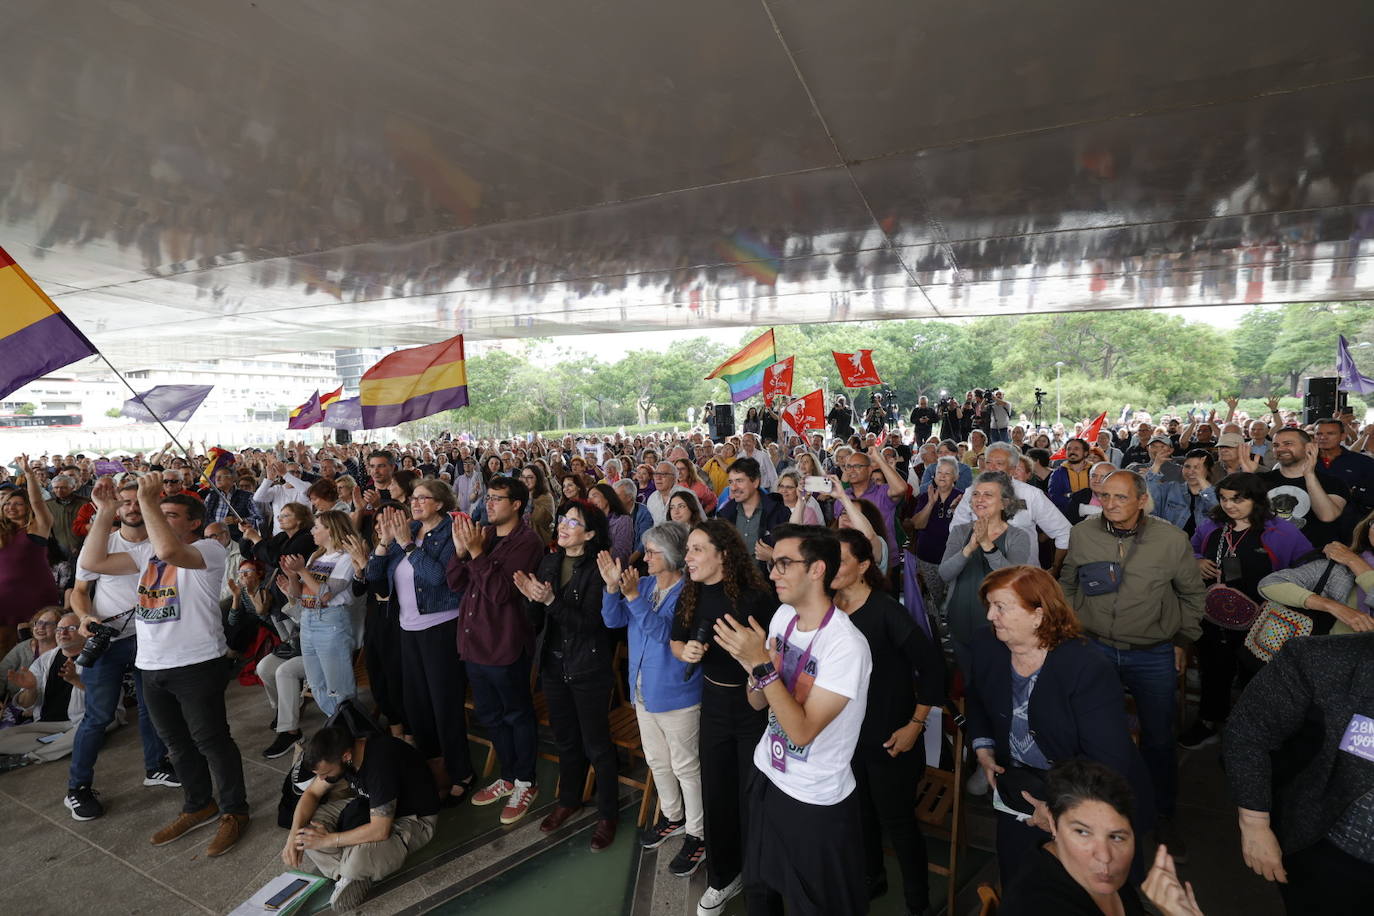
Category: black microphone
[702,634]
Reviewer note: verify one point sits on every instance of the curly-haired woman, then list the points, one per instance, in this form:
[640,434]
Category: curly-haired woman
[722,578]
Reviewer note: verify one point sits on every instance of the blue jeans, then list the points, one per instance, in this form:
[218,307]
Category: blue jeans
[504,707]
[104,688]
[327,650]
[1150,677]
[999,435]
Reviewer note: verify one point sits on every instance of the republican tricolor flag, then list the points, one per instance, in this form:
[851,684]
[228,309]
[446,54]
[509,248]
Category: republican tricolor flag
[35,337]
[856,369]
[329,400]
[415,383]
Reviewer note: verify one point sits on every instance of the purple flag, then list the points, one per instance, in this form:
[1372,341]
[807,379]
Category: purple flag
[168,403]
[1351,380]
[308,414]
[344,414]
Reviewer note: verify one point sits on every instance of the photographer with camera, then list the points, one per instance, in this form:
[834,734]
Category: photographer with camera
[923,420]
[182,656]
[112,646]
[999,416]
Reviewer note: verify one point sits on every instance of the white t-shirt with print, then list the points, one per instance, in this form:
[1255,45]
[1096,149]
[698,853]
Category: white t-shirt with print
[840,662]
[178,613]
[117,594]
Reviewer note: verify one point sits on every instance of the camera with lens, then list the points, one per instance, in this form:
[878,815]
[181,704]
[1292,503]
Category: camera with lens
[96,644]
[1040,395]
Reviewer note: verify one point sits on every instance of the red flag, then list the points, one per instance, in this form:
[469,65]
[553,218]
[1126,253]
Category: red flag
[806,413]
[856,369]
[777,380]
[1089,436]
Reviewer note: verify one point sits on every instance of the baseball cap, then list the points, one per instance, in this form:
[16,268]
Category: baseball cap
[1230,440]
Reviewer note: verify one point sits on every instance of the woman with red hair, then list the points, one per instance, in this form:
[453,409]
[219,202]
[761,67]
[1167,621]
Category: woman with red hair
[1039,694]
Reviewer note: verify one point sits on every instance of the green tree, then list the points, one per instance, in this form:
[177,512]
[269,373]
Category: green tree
[26,409]
[1253,342]
[112,412]
[1306,339]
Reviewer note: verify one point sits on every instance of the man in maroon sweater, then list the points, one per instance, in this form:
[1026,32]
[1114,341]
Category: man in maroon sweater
[495,639]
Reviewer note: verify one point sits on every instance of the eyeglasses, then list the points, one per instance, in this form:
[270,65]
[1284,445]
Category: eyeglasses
[571,522]
[495,499]
[785,563]
[67,629]
[43,623]
[649,551]
[854,467]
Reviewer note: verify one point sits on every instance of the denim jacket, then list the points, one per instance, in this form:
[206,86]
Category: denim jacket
[652,665]
[430,563]
[1171,503]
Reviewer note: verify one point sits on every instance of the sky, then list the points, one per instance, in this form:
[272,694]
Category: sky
[614,345]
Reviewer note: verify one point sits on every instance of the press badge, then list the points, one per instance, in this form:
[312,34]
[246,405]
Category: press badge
[777,751]
[1359,737]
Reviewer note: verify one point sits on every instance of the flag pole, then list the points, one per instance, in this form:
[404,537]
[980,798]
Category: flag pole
[175,441]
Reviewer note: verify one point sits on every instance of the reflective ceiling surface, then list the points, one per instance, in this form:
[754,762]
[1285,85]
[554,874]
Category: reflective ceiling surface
[190,178]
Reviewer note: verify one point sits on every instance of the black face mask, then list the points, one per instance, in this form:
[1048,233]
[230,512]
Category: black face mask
[348,772]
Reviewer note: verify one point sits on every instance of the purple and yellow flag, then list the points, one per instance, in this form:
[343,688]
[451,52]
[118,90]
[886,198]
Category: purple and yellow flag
[35,337]
[308,414]
[414,383]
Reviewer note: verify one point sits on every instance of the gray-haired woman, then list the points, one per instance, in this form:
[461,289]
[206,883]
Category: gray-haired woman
[667,704]
[976,549]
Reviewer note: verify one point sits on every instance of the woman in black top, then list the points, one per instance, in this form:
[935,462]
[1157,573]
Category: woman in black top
[1083,870]
[575,671]
[292,537]
[1238,544]
[751,421]
[722,578]
[890,757]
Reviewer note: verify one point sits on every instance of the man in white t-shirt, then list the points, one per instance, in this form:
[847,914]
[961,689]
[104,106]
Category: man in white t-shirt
[182,657]
[803,843]
[109,600]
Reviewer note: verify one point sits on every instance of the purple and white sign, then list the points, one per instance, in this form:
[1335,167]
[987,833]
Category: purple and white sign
[1359,737]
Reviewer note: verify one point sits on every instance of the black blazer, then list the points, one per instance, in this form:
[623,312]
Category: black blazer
[1077,709]
[1281,743]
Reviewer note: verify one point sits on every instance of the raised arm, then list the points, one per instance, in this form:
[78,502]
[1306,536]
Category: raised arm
[166,544]
[95,556]
[40,522]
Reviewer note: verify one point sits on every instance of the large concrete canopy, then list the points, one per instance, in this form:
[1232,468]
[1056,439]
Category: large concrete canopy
[194,178]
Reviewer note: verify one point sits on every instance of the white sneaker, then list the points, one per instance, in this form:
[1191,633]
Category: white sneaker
[977,784]
[713,901]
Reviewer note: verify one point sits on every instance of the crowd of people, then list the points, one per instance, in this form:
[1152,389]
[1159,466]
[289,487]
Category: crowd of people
[782,613]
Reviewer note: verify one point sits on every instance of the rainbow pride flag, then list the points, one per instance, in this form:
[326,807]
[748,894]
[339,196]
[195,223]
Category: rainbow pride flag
[414,383]
[743,372]
[752,257]
[35,337]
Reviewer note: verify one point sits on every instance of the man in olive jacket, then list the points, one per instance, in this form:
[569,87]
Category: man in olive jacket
[1143,624]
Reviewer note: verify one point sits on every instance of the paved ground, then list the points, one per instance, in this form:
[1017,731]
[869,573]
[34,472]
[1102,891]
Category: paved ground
[56,865]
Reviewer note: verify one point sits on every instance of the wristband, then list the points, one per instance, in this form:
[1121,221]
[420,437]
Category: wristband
[920,722]
[764,681]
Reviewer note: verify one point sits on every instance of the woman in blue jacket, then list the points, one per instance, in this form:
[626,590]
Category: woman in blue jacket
[1239,544]
[1038,693]
[667,701]
[410,562]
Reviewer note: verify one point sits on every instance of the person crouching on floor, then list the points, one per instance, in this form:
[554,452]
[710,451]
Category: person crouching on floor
[360,841]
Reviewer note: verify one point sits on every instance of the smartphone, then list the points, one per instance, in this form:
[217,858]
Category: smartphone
[816,484]
[49,739]
[283,896]
[459,513]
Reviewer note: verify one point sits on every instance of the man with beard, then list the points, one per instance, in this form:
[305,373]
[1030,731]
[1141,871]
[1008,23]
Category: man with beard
[115,595]
[1311,499]
[1071,475]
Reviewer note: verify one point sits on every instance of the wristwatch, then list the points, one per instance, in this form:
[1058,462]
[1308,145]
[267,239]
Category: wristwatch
[759,672]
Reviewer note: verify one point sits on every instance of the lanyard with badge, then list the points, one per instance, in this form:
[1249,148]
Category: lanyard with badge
[777,741]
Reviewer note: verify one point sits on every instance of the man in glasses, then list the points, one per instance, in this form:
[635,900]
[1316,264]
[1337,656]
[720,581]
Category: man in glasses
[665,480]
[810,670]
[50,690]
[495,638]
